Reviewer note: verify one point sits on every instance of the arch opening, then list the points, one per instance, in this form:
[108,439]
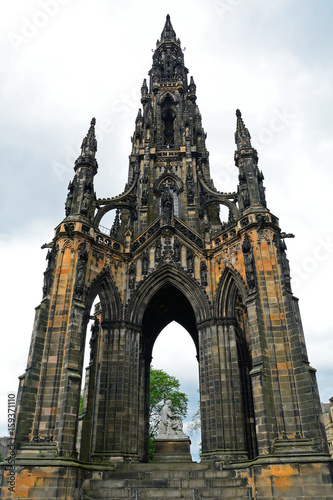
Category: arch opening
[175,353]
[90,333]
[231,304]
[167,305]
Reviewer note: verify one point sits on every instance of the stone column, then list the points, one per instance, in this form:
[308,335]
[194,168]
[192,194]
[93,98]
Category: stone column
[119,407]
[222,417]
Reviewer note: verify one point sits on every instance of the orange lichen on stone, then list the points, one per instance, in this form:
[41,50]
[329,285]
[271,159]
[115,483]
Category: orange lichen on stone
[281,475]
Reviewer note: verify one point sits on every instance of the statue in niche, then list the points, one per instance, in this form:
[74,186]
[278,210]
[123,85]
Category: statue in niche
[166,206]
[145,264]
[249,264]
[170,425]
[203,273]
[190,185]
[92,342]
[132,275]
[245,197]
[158,252]
[69,199]
[285,264]
[177,250]
[189,260]
[48,272]
[85,203]
[262,194]
[81,270]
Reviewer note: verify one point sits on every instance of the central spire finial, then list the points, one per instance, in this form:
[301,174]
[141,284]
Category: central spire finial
[168,32]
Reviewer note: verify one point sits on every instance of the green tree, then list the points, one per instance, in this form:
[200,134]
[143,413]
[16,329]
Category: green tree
[162,388]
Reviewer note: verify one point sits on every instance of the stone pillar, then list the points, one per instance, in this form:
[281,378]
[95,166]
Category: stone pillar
[119,406]
[222,417]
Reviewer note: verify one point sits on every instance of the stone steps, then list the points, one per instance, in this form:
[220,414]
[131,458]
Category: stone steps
[165,481]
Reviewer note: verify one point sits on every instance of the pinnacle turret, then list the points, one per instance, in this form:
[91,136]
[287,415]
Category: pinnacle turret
[89,143]
[81,195]
[242,135]
[251,191]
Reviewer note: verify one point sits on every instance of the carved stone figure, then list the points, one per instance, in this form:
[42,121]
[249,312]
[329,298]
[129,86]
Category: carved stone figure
[145,263]
[170,425]
[69,199]
[285,264]
[48,272]
[245,197]
[166,206]
[177,250]
[158,252]
[189,260]
[132,275]
[262,195]
[203,273]
[81,270]
[85,203]
[249,264]
[93,338]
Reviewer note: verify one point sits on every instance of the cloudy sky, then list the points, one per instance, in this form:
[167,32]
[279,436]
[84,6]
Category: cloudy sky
[65,61]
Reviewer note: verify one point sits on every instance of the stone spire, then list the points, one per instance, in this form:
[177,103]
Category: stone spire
[168,32]
[168,60]
[251,191]
[89,143]
[242,135]
[81,196]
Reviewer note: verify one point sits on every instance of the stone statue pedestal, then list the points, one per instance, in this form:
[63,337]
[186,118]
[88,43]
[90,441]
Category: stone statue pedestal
[172,450]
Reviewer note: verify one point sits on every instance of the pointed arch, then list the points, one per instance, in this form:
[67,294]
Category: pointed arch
[230,284]
[174,180]
[168,294]
[230,305]
[166,95]
[104,286]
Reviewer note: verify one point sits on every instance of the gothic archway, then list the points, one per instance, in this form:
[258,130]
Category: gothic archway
[230,305]
[95,393]
[167,295]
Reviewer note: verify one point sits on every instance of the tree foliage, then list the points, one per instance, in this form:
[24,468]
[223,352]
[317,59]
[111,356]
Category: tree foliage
[162,388]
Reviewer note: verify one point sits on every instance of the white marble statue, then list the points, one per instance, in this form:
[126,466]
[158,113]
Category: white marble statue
[171,426]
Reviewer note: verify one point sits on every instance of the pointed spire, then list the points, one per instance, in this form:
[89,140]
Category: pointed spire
[89,143]
[192,88]
[138,116]
[168,32]
[242,135]
[144,92]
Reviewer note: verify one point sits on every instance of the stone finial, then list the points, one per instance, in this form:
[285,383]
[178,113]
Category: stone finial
[242,135]
[89,143]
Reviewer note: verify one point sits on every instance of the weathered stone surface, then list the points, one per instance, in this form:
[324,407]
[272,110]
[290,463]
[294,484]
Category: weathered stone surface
[172,451]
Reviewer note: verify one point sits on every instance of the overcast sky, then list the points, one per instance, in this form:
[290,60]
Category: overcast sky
[65,61]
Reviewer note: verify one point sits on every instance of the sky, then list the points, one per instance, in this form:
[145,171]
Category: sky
[66,61]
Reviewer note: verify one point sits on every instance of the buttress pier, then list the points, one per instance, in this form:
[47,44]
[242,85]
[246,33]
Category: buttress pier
[169,257]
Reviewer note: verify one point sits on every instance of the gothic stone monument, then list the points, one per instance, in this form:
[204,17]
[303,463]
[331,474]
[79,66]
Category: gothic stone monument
[169,257]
